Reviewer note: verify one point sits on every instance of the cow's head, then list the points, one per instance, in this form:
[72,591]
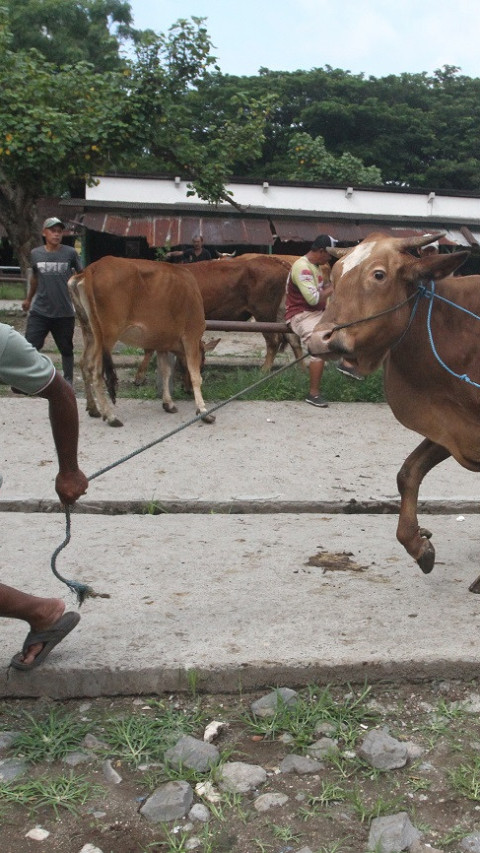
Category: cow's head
[226,254]
[372,279]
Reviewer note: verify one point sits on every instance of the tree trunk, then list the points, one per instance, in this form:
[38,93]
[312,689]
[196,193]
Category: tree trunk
[19,217]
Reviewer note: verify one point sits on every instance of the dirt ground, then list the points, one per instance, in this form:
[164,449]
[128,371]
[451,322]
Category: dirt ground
[329,811]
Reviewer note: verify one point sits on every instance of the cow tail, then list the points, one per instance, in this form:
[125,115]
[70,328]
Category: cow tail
[110,375]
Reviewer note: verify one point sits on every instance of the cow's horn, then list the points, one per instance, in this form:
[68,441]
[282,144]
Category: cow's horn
[338,253]
[416,242]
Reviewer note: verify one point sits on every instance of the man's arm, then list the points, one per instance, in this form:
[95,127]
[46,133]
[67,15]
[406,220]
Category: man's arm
[31,291]
[70,482]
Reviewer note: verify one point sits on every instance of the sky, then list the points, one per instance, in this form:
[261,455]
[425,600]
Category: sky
[371,37]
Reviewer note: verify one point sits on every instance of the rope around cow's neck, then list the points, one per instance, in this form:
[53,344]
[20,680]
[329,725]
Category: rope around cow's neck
[428,292]
[82,590]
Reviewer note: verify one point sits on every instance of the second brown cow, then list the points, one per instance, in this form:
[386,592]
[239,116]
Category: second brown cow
[239,289]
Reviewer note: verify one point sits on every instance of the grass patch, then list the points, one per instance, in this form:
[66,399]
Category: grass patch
[220,382]
[144,737]
[12,289]
[65,792]
[302,717]
[49,738]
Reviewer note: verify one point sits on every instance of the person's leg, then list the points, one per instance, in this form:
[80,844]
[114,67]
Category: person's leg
[39,613]
[315,370]
[37,330]
[62,331]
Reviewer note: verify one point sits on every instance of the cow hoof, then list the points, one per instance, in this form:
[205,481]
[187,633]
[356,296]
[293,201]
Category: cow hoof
[427,560]
[94,413]
[115,423]
[139,382]
[208,419]
[170,408]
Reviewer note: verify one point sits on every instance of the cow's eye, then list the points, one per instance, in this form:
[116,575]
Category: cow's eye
[379,275]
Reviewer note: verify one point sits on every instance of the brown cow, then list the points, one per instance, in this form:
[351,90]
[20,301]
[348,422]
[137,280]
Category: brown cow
[144,304]
[390,307]
[241,288]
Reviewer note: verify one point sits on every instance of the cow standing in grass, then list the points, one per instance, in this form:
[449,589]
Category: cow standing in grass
[240,288]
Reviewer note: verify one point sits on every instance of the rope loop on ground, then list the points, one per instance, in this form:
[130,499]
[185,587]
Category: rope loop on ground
[82,590]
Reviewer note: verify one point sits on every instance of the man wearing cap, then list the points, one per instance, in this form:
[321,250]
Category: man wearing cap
[305,303]
[48,302]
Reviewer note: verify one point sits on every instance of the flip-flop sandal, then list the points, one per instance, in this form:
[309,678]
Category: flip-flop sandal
[50,638]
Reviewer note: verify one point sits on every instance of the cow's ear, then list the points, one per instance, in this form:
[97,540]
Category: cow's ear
[439,266]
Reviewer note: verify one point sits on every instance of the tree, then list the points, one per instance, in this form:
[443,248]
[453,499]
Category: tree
[55,125]
[59,124]
[176,123]
[67,31]
[310,161]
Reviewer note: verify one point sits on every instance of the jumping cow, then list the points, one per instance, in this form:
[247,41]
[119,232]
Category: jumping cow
[241,288]
[410,314]
[144,304]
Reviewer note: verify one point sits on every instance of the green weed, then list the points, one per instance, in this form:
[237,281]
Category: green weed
[64,792]
[301,718]
[49,738]
[465,779]
[138,738]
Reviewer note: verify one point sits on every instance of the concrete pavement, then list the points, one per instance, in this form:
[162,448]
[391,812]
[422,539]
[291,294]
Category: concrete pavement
[274,560]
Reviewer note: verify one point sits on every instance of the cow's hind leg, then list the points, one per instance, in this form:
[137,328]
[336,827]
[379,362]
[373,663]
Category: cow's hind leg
[416,540]
[272,340]
[165,362]
[193,358]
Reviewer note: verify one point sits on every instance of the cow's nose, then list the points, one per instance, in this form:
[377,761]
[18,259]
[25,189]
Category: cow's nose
[319,341]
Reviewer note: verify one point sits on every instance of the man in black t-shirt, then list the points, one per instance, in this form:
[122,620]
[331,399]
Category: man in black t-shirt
[189,256]
[48,302]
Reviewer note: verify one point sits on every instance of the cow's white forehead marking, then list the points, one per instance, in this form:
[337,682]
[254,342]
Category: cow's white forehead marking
[360,253]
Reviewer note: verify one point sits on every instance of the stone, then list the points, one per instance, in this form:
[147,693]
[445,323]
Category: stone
[269,801]
[471,843]
[238,777]
[300,764]
[193,753]
[199,812]
[392,834]
[323,748]
[37,834]
[382,751]
[110,773]
[12,768]
[267,705]
[170,801]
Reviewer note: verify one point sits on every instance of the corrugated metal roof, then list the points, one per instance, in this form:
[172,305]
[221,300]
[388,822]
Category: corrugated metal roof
[305,231]
[177,230]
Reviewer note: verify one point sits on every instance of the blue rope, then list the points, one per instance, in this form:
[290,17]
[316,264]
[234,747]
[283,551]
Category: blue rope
[430,294]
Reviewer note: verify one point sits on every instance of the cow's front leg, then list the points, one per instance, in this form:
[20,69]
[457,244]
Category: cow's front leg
[416,540]
[164,380]
[143,367]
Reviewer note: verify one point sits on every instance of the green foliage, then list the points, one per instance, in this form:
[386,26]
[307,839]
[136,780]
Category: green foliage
[310,161]
[66,33]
